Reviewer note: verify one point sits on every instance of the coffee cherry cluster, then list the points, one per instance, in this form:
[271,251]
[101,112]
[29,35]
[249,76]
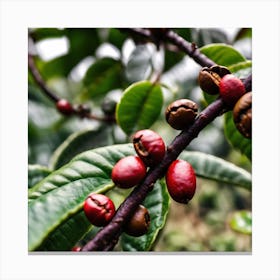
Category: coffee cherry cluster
[218,80]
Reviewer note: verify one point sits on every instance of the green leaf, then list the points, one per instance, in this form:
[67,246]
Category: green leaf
[241,221]
[236,139]
[215,168]
[139,106]
[39,34]
[116,37]
[222,54]
[36,173]
[157,202]
[65,236]
[78,142]
[139,64]
[60,196]
[104,75]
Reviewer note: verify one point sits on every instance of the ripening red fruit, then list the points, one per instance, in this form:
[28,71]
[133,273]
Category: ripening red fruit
[231,89]
[181,181]
[99,209]
[149,146]
[64,107]
[128,172]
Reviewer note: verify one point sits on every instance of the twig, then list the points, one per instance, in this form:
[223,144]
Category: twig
[112,231]
[80,110]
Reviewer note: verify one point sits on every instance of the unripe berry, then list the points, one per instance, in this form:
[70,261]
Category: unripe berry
[149,146]
[139,223]
[128,172]
[181,113]
[99,209]
[64,107]
[231,89]
[181,181]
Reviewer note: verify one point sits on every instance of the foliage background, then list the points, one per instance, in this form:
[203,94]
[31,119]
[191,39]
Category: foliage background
[99,53]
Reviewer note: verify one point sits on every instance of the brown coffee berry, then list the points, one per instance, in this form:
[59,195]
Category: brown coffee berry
[99,209]
[209,78]
[181,181]
[181,113]
[242,115]
[139,223]
[128,172]
[149,146]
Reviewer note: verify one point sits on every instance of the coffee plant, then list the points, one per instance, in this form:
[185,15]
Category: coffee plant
[140,140]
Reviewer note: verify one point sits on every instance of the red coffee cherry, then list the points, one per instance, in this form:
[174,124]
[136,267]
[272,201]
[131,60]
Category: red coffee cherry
[99,209]
[64,107]
[231,89]
[139,223]
[149,146]
[128,172]
[181,181]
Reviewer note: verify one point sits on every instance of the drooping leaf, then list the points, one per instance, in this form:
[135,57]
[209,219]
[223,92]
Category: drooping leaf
[139,106]
[36,173]
[104,75]
[60,196]
[78,142]
[236,139]
[241,221]
[215,168]
[157,202]
[139,64]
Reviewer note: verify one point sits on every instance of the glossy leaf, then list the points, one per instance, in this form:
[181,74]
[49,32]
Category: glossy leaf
[215,168]
[60,196]
[222,54]
[36,173]
[104,75]
[139,106]
[65,236]
[241,221]
[139,64]
[78,142]
[236,139]
[157,202]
